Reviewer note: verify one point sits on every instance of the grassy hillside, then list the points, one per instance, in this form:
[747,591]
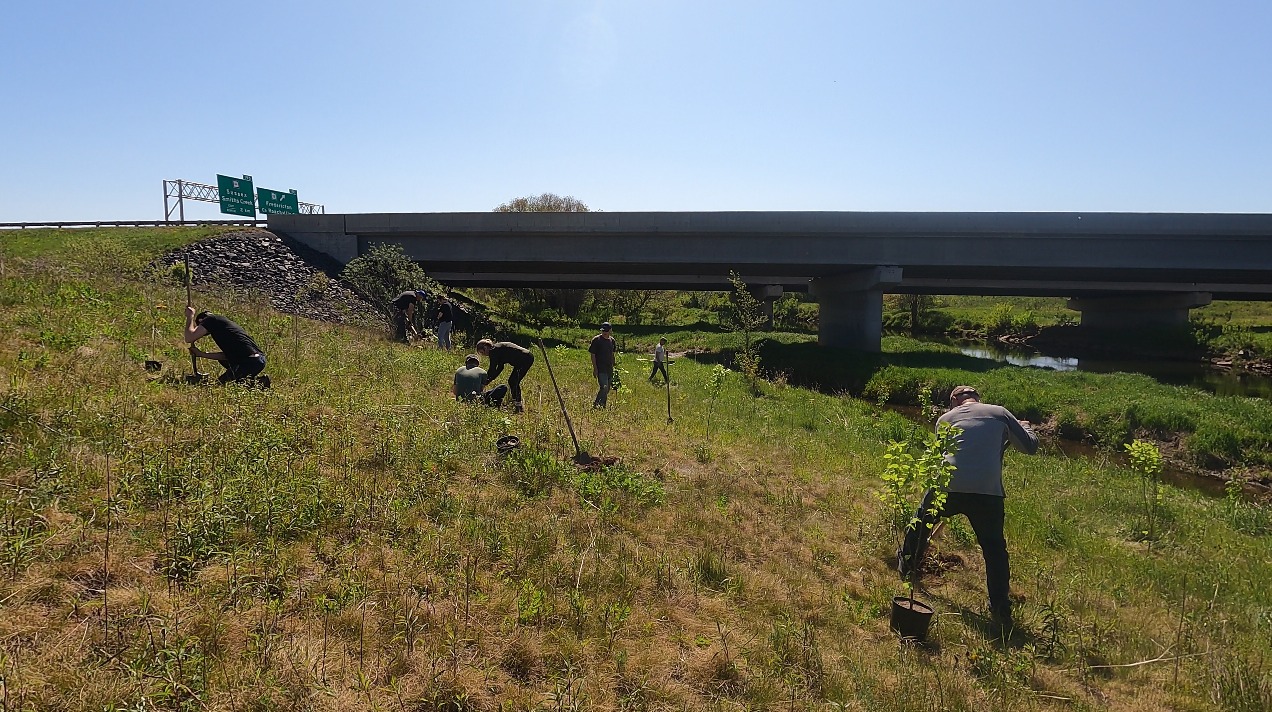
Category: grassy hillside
[351,540]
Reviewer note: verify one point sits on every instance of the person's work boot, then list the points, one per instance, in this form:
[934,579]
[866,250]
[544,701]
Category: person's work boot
[1001,616]
[518,408]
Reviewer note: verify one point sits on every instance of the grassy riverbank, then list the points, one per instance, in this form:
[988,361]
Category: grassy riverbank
[351,540]
[1242,329]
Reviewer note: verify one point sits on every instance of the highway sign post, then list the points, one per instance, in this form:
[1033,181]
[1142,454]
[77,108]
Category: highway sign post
[236,195]
[273,202]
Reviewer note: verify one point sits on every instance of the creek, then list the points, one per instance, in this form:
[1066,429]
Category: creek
[1198,375]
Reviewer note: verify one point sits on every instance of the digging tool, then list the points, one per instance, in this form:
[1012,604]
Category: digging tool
[667,378]
[195,376]
[151,363]
[580,457]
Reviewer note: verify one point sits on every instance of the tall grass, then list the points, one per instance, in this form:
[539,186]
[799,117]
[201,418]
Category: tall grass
[351,539]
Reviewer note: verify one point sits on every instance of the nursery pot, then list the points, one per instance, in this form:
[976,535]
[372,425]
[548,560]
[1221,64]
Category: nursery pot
[910,618]
[507,444]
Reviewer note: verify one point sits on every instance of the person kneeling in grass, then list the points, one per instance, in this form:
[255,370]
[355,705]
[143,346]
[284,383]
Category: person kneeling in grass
[470,382]
[239,354]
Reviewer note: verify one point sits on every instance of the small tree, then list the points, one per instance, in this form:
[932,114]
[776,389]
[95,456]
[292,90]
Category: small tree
[911,468]
[747,316]
[1146,461]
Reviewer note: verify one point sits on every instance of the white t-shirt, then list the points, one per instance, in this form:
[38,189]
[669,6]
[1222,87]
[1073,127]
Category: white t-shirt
[660,354]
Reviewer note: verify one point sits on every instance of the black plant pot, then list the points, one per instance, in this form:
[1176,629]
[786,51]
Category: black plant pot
[910,618]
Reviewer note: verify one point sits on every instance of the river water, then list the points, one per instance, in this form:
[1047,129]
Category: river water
[1179,373]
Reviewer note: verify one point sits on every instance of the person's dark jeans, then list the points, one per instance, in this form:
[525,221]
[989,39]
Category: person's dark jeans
[239,371]
[604,379]
[399,325]
[660,366]
[986,514]
[514,379]
[493,397]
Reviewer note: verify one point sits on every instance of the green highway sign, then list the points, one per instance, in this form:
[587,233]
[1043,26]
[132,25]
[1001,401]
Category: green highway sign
[236,195]
[274,202]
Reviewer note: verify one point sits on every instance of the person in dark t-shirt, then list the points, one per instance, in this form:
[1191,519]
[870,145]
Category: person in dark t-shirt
[602,349]
[507,353]
[444,317]
[404,306]
[239,354]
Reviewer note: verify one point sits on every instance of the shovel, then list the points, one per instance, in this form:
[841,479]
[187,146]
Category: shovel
[195,376]
[667,378]
[151,363]
[580,457]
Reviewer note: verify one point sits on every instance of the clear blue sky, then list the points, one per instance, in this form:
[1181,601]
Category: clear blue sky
[1158,105]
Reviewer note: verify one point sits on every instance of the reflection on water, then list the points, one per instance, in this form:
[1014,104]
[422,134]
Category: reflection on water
[1178,373]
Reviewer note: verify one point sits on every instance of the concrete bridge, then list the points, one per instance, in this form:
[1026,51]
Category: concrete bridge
[1118,269]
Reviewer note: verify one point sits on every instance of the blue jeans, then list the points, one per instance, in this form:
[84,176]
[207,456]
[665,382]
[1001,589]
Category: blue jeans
[443,334]
[985,512]
[604,377]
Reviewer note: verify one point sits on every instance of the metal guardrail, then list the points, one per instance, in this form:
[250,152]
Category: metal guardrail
[129,223]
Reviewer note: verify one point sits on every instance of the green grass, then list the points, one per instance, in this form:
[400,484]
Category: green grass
[351,539]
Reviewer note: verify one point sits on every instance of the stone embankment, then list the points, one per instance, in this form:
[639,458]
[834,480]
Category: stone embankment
[253,261]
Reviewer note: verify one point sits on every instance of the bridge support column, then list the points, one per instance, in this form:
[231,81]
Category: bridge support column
[767,294]
[1140,311]
[851,307]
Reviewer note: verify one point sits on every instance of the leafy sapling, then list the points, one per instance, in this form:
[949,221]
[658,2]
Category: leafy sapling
[911,469]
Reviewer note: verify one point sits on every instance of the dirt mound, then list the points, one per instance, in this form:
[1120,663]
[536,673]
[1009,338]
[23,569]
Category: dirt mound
[254,260]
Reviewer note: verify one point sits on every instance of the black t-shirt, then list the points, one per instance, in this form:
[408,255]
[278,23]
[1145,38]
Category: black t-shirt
[444,312]
[230,338]
[603,347]
[405,299]
[506,352]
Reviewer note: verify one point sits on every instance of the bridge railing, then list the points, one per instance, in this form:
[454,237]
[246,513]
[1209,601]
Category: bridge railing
[128,223]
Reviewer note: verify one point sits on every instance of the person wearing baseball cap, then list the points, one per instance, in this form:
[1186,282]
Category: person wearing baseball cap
[602,349]
[404,314]
[984,432]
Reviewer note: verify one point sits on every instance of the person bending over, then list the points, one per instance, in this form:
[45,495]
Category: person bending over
[507,353]
[404,306]
[239,354]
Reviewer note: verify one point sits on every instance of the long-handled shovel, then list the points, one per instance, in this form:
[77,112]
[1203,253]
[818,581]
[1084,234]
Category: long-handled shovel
[580,457]
[667,377]
[195,376]
[151,363]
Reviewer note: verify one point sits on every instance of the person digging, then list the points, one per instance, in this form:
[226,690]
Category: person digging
[239,355]
[975,490]
[506,353]
[404,306]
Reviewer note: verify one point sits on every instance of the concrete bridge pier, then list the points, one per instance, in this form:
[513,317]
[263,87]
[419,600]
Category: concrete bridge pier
[850,307]
[767,294]
[1165,310]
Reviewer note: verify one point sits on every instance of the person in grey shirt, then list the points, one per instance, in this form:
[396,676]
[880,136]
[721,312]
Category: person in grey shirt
[975,490]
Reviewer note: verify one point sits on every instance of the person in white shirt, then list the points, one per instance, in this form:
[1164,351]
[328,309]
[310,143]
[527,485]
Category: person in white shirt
[660,361]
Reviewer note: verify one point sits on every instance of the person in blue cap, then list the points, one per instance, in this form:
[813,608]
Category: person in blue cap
[404,314]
